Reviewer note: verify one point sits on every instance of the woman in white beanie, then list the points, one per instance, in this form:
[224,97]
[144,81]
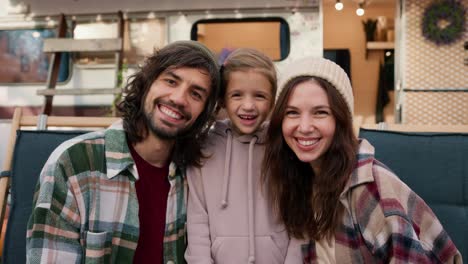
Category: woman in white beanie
[334,197]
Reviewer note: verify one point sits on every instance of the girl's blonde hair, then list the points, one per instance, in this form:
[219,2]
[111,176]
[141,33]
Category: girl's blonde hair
[245,59]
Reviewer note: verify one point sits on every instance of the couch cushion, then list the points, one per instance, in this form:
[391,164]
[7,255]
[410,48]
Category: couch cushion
[435,166]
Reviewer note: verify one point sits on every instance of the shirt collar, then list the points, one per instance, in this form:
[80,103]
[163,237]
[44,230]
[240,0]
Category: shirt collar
[117,153]
[118,156]
[362,173]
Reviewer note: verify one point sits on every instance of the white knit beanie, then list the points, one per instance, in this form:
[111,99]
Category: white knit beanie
[323,68]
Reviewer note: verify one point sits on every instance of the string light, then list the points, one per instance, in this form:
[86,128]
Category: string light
[360,10]
[338,5]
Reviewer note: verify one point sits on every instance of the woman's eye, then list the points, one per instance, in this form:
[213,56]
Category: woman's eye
[322,113]
[291,113]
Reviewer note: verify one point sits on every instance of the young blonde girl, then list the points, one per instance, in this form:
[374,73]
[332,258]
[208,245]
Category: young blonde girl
[229,220]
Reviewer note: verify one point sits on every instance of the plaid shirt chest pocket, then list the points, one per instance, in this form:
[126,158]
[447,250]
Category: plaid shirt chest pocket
[96,246]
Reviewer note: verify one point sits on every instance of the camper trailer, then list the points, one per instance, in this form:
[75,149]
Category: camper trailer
[72,58]
[288,30]
[399,74]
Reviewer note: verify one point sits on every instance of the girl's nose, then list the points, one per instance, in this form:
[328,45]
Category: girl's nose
[248,104]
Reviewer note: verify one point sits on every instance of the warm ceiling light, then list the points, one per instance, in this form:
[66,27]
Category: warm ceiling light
[151,15]
[360,10]
[338,5]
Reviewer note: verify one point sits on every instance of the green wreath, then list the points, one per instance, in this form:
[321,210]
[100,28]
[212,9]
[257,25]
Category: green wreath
[451,12]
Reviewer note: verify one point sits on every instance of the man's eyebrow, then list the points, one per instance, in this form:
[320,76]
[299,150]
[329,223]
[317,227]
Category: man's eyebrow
[200,89]
[173,75]
[196,87]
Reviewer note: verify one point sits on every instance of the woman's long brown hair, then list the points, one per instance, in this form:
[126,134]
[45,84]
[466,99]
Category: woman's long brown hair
[308,204]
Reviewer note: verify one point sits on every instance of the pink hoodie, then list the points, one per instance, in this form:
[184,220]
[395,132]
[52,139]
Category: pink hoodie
[228,218]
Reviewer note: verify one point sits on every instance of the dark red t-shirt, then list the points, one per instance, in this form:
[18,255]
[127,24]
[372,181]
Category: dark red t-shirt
[152,189]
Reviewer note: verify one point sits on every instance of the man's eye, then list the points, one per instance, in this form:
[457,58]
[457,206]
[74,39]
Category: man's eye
[170,81]
[197,95]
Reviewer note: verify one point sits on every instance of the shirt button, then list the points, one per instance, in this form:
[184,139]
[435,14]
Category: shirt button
[170,262]
[170,227]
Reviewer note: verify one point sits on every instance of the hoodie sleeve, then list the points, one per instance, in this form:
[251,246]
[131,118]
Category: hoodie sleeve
[198,231]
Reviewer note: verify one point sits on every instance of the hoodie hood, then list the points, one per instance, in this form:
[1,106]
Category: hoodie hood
[224,128]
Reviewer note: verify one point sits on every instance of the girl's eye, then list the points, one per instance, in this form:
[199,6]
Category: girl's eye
[261,96]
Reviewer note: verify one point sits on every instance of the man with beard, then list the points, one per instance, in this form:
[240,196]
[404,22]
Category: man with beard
[119,195]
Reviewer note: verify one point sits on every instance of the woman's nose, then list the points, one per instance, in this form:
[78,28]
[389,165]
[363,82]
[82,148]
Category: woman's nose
[306,125]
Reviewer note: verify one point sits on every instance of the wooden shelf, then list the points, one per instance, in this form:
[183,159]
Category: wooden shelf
[379,45]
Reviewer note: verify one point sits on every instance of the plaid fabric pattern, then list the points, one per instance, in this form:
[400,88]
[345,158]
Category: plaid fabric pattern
[385,221]
[86,209]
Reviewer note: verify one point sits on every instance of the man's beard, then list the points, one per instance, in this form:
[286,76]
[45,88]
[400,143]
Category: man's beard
[162,133]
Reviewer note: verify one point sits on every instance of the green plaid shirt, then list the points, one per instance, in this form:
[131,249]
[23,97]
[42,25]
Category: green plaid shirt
[85,208]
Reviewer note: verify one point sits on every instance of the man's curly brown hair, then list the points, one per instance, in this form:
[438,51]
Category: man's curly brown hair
[187,149]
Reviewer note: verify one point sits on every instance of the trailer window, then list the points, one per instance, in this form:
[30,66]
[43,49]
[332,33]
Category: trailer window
[22,60]
[141,37]
[268,35]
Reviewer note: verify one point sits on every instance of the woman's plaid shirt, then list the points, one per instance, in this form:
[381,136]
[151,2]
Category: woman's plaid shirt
[385,221]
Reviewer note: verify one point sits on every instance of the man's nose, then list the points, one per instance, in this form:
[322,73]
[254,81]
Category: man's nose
[179,96]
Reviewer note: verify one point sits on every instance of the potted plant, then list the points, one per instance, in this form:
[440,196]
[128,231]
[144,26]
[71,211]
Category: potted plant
[370,26]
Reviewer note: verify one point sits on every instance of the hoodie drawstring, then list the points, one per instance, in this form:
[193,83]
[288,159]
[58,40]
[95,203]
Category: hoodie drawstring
[250,190]
[250,197]
[227,165]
